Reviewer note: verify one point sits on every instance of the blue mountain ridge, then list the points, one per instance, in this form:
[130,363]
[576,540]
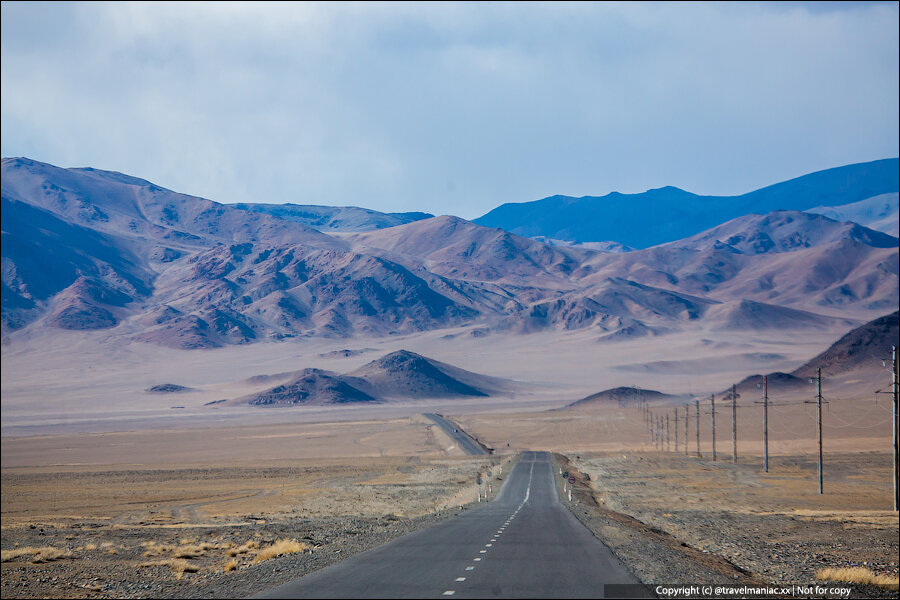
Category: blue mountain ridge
[666,214]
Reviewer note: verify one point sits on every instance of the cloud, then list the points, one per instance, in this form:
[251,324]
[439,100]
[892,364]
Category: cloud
[450,108]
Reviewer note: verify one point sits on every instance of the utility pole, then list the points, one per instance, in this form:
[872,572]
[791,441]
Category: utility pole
[819,421]
[676,430]
[712,399]
[668,447]
[733,423]
[818,404]
[894,424]
[766,422]
[697,407]
[687,423]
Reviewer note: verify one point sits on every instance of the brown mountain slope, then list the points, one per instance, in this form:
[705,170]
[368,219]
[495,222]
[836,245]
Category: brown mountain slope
[862,348]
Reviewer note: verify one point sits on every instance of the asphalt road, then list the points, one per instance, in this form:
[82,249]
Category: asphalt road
[465,442]
[523,544]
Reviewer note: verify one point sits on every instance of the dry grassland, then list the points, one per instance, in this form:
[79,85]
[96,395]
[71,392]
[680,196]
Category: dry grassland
[775,524]
[119,527]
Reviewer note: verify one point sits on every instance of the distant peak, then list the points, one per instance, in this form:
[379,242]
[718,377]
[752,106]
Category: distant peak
[402,355]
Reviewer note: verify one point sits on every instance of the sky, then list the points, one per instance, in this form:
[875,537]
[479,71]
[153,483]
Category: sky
[449,108]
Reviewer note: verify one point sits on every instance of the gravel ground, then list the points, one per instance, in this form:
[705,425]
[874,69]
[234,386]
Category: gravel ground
[673,546]
[126,558]
[121,575]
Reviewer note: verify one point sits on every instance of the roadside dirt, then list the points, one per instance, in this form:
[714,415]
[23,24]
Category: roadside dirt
[677,520]
[121,534]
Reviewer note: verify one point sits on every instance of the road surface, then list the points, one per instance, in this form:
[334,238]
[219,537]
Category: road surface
[462,439]
[523,544]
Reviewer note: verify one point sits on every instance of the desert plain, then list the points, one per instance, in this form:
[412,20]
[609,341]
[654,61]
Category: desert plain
[165,495]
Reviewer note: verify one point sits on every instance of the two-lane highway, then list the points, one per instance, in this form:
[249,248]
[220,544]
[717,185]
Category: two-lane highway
[524,544]
[462,439]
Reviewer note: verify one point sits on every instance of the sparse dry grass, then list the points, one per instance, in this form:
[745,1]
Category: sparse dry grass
[90,546]
[188,552]
[155,549]
[858,575]
[280,547]
[179,566]
[231,565]
[243,549]
[38,555]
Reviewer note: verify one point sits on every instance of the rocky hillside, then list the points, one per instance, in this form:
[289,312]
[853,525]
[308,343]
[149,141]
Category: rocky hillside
[94,250]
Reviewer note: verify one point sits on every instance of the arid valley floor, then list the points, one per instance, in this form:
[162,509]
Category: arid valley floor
[179,502]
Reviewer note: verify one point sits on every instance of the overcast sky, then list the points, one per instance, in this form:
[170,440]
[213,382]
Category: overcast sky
[449,108]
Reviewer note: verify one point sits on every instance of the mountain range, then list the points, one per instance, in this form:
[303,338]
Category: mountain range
[879,213]
[667,214]
[84,249]
[334,218]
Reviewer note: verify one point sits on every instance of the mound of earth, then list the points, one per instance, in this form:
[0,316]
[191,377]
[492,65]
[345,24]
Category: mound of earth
[314,387]
[778,382]
[410,375]
[168,388]
[345,353]
[401,374]
[621,396]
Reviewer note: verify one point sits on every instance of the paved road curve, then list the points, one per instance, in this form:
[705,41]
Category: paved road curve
[524,544]
[463,439]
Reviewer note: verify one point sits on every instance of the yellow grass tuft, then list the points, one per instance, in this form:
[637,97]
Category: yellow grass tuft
[179,566]
[155,549]
[90,546]
[188,552]
[38,555]
[280,547]
[247,547]
[858,575]
[212,546]
[231,565]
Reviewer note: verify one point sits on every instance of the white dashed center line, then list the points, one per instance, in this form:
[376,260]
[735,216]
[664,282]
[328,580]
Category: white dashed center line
[460,578]
[449,592]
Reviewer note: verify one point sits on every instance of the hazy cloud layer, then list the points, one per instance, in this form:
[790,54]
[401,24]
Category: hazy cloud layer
[449,108]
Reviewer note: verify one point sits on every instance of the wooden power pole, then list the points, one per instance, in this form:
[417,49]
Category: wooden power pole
[766,422]
[676,430]
[819,419]
[734,423]
[667,432]
[712,399]
[697,410]
[894,424]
